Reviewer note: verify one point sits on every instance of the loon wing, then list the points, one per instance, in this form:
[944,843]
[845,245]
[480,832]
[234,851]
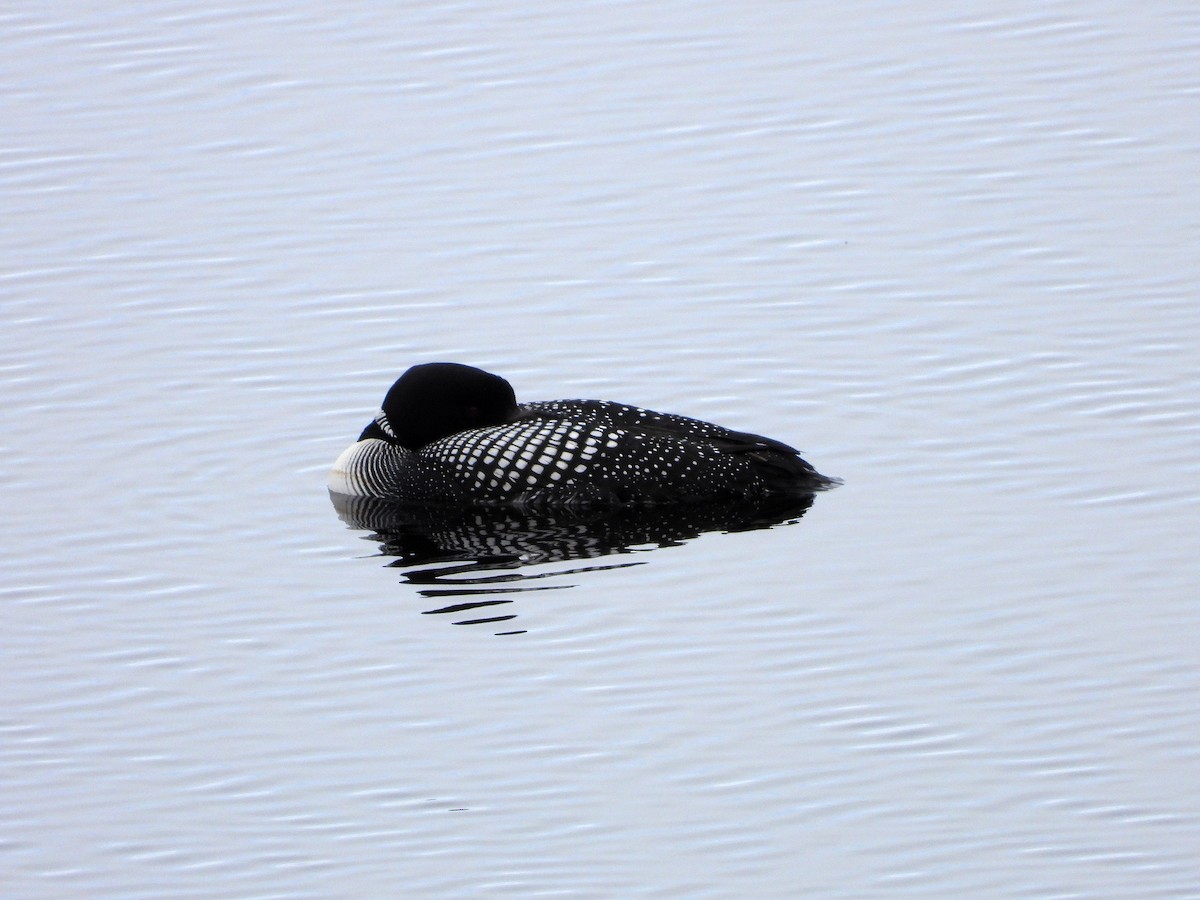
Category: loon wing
[772,458]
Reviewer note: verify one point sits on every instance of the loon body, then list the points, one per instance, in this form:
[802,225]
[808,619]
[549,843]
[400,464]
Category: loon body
[453,434]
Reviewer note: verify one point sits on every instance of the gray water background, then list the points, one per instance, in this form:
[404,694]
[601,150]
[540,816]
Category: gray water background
[950,251]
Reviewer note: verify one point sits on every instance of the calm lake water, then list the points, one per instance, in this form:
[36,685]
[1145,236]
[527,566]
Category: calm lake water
[951,254]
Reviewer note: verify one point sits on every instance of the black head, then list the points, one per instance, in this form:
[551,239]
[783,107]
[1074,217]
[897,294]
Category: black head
[436,400]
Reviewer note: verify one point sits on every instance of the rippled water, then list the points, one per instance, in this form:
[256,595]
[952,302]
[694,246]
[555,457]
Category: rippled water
[950,254]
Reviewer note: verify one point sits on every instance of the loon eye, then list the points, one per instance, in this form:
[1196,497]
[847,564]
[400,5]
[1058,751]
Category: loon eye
[472,412]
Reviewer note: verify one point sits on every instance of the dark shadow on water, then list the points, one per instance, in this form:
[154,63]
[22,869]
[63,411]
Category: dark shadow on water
[472,561]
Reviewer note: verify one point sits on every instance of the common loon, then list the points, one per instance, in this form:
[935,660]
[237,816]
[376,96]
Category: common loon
[454,434]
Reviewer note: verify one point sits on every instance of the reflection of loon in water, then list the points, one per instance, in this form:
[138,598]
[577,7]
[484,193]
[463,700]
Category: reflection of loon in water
[479,554]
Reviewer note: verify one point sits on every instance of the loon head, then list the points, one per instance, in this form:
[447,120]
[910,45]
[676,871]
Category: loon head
[435,400]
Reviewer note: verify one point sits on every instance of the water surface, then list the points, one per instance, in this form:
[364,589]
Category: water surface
[949,254]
